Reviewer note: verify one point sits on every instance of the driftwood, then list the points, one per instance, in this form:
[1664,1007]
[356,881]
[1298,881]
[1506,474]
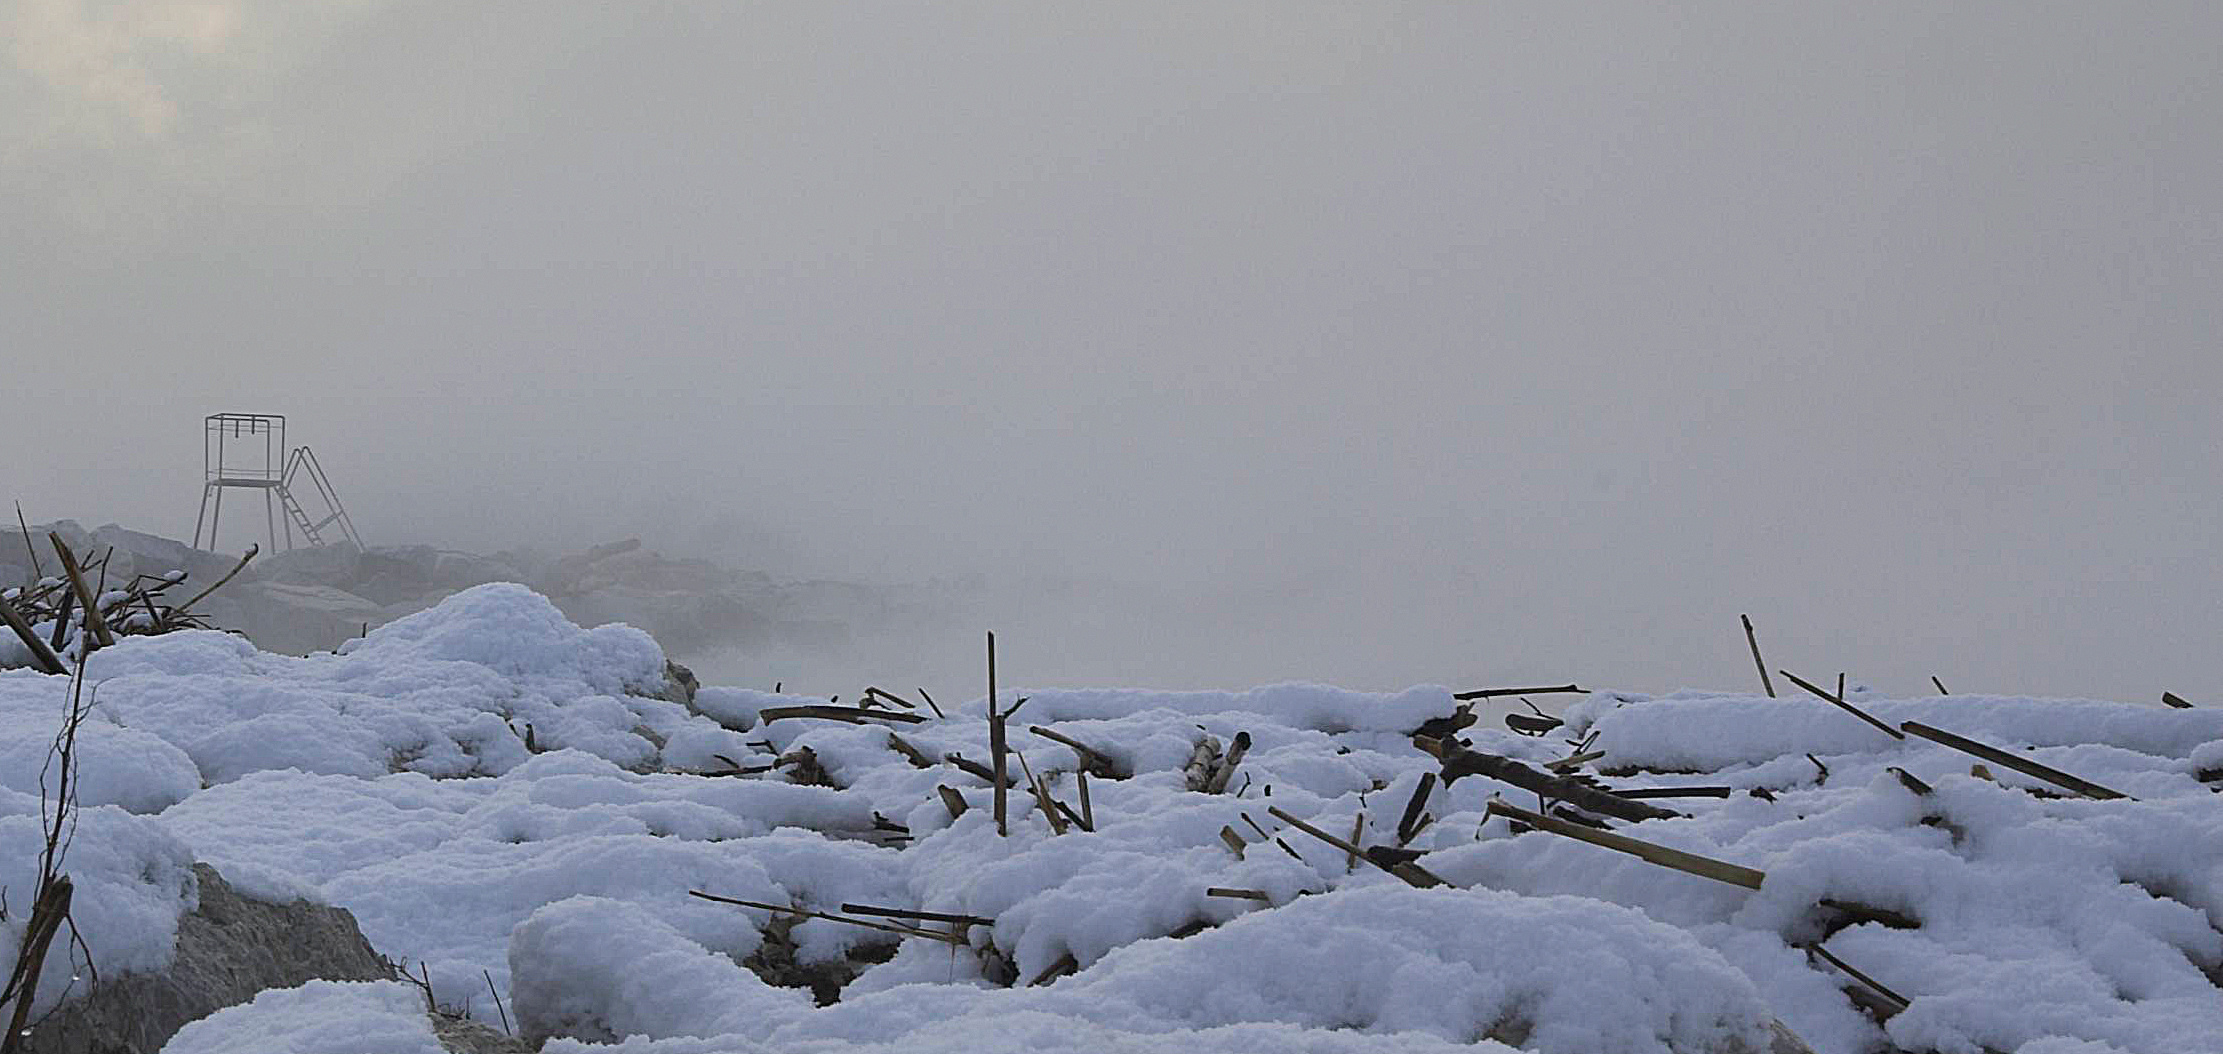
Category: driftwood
[1217,784]
[2172,699]
[1581,793]
[1089,758]
[1688,863]
[42,654]
[910,753]
[2016,762]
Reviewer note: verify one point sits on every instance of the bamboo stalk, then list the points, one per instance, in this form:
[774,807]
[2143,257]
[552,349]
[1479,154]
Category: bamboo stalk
[1842,704]
[1689,863]
[1413,874]
[1753,639]
[2014,761]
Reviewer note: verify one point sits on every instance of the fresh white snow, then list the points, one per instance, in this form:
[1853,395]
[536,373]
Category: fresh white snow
[394,778]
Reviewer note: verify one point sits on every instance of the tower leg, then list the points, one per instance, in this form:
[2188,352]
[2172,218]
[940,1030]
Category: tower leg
[201,517]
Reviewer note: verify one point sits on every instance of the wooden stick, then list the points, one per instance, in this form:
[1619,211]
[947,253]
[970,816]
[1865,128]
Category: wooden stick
[1413,874]
[970,767]
[2014,761]
[94,624]
[952,801]
[1065,965]
[1088,815]
[903,746]
[181,609]
[1239,894]
[855,715]
[1234,842]
[1493,693]
[42,656]
[908,931]
[1841,704]
[898,700]
[1042,796]
[930,703]
[1460,761]
[1689,863]
[1571,763]
[1643,793]
[1754,640]
[996,740]
[1086,752]
[37,572]
[927,916]
[2175,700]
[1856,975]
[1940,685]
[1405,828]
[1358,827]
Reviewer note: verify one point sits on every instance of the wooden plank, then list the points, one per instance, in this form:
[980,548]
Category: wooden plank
[2015,761]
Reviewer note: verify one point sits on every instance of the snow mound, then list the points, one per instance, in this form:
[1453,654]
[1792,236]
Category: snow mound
[321,1017]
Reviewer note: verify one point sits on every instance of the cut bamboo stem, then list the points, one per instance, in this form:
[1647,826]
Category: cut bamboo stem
[1688,863]
[2016,762]
[1841,704]
[1753,639]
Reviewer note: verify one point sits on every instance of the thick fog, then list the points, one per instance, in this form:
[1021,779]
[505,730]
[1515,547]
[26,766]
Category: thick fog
[1207,344]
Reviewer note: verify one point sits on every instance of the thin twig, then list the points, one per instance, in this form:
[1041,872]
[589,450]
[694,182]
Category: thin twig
[1841,704]
[1754,640]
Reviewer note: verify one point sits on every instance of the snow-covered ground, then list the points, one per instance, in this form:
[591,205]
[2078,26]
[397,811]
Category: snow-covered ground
[516,805]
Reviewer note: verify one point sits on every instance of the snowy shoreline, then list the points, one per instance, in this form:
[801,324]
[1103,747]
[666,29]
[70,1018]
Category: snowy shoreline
[504,799]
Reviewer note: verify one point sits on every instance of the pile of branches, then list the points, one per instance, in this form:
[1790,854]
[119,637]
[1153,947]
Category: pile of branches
[77,610]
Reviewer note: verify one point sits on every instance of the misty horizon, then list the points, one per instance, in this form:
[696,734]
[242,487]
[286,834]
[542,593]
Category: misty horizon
[1224,345]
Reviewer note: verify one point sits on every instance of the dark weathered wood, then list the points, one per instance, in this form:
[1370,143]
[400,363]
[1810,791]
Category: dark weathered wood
[1647,793]
[1087,756]
[1413,807]
[2175,700]
[1940,685]
[2016,762]
[898,700]
[1088,815]
[854,715]
[908,931]
[47,915]
[1689,863]
[1856,975]
[910,753]
[1238,894]
[1575,761]
[1233,841]
[1413,874]
[930,703]
[1841,704]
[928,916]
[1496,693]
[970,767]
[42,655]
[996,741]
[1753,640]
[1462,761]
[952,800]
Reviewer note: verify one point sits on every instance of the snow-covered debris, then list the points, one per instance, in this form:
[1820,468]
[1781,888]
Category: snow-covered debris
[500,796]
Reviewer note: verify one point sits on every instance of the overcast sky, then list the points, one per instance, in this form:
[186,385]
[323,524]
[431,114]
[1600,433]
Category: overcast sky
[1395,343]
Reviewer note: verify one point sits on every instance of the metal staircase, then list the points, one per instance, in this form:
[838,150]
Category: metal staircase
[229,460]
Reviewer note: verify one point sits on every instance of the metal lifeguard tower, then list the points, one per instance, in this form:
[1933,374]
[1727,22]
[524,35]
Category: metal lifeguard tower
[249,451]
